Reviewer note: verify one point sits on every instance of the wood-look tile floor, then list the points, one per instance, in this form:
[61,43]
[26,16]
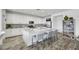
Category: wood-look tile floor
[63,43]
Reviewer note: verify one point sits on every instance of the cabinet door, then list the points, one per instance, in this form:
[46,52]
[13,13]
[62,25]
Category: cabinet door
[13,32]
[8,32]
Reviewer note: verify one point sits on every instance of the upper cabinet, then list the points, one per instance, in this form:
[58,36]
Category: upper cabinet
[15,18]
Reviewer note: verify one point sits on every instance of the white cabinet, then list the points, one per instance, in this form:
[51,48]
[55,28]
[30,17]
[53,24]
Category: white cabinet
[16,18]
[14,32]
[13,18]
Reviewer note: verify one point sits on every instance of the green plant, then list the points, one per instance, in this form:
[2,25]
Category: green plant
[8,26]
[66,18]
[70,17]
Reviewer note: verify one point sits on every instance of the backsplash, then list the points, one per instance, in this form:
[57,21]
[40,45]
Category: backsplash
[26,25]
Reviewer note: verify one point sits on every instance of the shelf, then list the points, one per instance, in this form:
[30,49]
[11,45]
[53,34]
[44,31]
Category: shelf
[68,26]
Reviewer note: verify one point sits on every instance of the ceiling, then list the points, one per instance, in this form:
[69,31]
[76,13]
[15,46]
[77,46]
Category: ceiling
[38,12]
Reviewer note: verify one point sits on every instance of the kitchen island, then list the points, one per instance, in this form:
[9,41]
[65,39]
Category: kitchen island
[32,35]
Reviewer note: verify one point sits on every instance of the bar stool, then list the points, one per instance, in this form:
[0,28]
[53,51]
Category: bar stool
[39,40]
[55,35]
[33,37]
[52,38]
[49,37]
[45,37]
[52,35]
[34,40]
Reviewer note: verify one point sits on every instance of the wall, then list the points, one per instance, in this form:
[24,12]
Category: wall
[0,20]
[71,13]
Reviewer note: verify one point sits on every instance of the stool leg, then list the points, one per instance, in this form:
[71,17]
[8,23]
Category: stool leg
[43,44]
[56,35]
[48,42]
[51,42]
[37,45]
[32,42]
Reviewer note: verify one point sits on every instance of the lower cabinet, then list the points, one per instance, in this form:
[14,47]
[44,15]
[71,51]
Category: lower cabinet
[14,32]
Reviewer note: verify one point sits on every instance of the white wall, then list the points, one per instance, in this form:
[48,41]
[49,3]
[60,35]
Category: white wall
[71,13]
[14,18]
[0,20]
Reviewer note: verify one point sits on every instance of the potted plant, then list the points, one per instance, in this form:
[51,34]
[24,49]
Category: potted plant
[8,26]
[70,18]
[66,18]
